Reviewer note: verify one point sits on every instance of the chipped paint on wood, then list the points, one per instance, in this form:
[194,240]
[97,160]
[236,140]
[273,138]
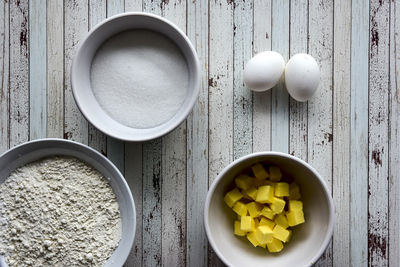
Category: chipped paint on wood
[378,134]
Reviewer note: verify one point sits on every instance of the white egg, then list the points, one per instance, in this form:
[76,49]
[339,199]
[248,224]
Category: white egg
[263,71]
[302,77]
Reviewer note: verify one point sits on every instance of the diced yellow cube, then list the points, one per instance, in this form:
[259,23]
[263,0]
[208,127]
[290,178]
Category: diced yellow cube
[294,191]
[281,220]
[252,193]
[281,233]
[264,234]
[252,238]
[238,231]
[282,190]
[245,196]
[267,222]
[240,208]
[267,212]
[232,196]
[259,171]
[278,205]
[295,205]
[275,246]
[254,209]
[265,194]
[247,224]
[244,181]
[275,174]
[295,217]
[290,235]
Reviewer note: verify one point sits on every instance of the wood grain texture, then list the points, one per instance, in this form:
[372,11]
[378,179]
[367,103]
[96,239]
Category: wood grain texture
[197,141]
[37,70]
[359,133]
[4,75]
[75,28]
[115,147]
[220,82]
[394,136]
[378,134]
[152,221]
[298,110]
[280,97]
[19,73]
[320,105]
[133,176]
[55,68]
[97,13]
[152,180]
[173,185]
[133,5]
[242,96]
[262,101]
[341,132]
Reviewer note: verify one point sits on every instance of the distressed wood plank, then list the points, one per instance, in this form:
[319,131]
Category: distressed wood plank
[197,141]
[341,132]
[133,176]
[262,101]
[115,147]
[133,5]
[320,106]
[75,29]
[55,68]
[152,179]
[242,96]
[37,69]
[378,134]
[173,185]
[152,203]
[280,97]
[19,73]
[359,133]
[220,92]
[298,110]
[4,75]
[97,13]
[394,136]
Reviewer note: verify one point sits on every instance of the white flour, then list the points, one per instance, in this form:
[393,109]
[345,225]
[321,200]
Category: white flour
[140,78]
[58,212]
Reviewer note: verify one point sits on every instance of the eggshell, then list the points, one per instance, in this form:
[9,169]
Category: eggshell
[263,71]
[302,77]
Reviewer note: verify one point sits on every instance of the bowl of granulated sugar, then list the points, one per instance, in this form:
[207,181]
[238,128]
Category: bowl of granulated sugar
[135,76]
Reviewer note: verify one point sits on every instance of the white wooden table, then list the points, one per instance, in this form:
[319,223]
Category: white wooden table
[349,131]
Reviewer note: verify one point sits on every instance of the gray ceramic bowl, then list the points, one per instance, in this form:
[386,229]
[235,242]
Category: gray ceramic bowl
[35,150]
[81,66]
[309,240]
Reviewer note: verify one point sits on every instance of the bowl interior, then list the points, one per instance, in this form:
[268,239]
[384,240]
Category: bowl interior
[308,239]
[36,150]
[80,75]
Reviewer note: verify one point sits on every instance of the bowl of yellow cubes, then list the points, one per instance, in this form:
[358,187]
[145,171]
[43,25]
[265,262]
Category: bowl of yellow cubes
[269,209]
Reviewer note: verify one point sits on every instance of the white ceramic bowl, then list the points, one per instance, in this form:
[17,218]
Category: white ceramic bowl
[35,150]
[309,240]
[81,66]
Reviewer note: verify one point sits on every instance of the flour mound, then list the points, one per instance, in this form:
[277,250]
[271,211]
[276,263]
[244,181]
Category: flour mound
[58,212]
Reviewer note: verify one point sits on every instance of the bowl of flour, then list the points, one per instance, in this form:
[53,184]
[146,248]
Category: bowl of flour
[63,204]
[135,76]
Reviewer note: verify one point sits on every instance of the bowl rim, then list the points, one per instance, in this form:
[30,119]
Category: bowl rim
[185,113]
[111,165]
[211,190]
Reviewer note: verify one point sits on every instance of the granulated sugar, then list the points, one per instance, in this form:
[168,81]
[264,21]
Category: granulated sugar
[140,78]
[58,212]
